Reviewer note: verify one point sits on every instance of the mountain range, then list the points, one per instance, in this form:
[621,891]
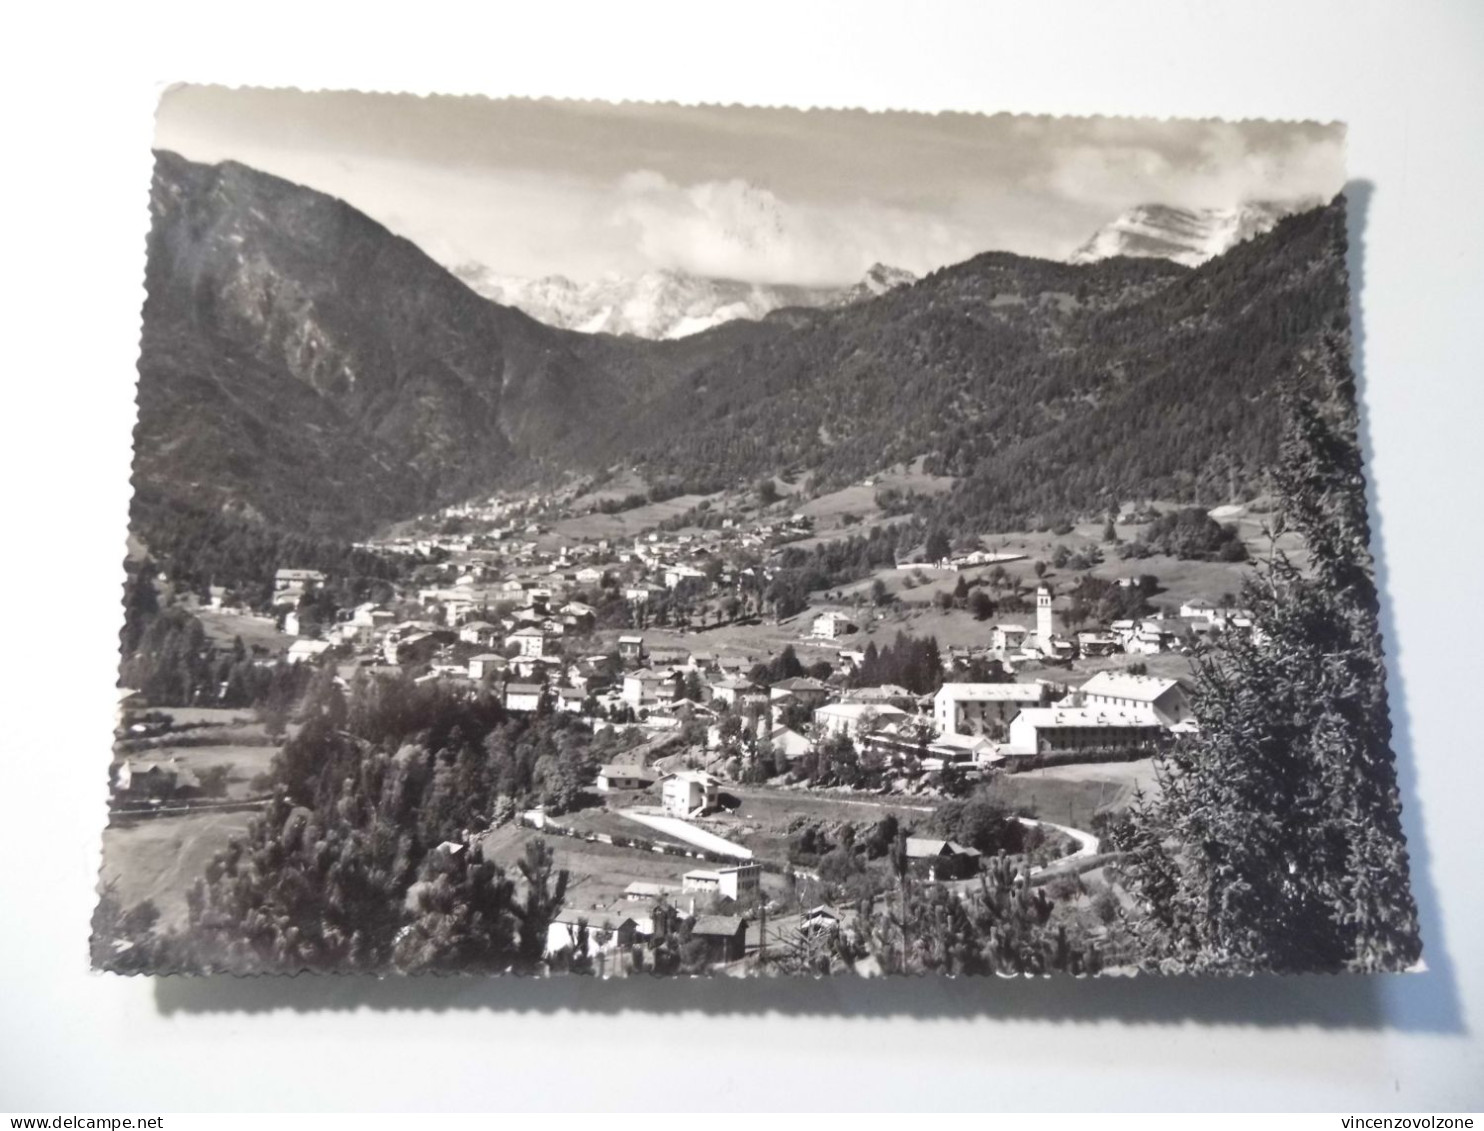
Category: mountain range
[306,369]
[1184,235]
[663,304]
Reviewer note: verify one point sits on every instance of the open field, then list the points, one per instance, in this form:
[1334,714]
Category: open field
[1070,795]
[235,717]
[761,821]
[621,486]
[832,511]
[619,527]
[606,822]
[247,762]
[598,873]
[217,736]
[222,628]
[160,858]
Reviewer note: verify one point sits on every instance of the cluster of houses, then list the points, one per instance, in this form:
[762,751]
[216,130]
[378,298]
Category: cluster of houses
[512,628]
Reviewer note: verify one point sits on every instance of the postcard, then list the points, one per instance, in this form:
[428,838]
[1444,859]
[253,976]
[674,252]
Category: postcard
[648,539]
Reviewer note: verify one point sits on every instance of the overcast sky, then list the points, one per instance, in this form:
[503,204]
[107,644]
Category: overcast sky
[592,189]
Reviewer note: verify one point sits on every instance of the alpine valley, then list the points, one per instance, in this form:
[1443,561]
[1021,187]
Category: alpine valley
[305,370]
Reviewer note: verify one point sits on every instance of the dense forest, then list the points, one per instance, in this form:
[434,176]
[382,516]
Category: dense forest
[200,547]
[1047,389]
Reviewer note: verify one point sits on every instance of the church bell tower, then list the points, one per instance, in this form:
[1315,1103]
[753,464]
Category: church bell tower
[1043,620]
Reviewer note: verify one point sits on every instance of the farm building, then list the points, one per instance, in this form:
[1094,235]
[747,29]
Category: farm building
[942,859]
[725,936]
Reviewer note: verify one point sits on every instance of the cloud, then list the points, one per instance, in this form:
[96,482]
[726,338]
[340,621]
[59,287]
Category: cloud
[1197,165]
[740,230]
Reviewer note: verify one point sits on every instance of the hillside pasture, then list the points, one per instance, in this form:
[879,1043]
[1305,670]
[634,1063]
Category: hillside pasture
[256,631]
[1070,795]
[620,486]
[762,819]
[597,873]
[160,858]
[621,527]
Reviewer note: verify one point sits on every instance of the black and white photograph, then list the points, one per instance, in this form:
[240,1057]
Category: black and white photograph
[647,539]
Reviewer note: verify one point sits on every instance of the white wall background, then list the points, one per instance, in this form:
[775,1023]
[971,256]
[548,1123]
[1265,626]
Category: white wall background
[80,87]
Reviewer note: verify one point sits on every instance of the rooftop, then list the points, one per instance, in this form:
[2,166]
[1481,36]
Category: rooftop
[1124,685]
[1017,692]
[857,710]
[643,772]
[725,926]
[922,847]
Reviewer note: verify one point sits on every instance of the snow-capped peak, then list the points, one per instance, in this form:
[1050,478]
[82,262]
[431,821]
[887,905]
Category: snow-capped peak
[1184,235]
[663,304]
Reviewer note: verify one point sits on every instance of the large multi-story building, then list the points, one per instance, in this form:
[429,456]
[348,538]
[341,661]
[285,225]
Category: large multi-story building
[982,708]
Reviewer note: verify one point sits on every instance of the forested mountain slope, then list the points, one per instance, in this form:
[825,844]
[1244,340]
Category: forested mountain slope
[303,366]
[1045,386]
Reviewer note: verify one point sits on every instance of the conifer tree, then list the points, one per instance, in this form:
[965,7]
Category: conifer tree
[1275,842]
[545,889]
[463,922]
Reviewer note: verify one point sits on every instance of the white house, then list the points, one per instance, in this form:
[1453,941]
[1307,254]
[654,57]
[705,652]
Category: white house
[620,929]
[625,777]
[301,651]
[832,626]
[1008,637]
[570,700]
[731,690]
[802,689]
[646,687]
[883,693]
[523,697]
[479,632]
[1198,608]
[790,743]
[485,664]
[683,580]
[741,882]
[852,718]
[1165,698]
[689,793]
[962,748]
[531,641]
[977,708]
[578,615]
